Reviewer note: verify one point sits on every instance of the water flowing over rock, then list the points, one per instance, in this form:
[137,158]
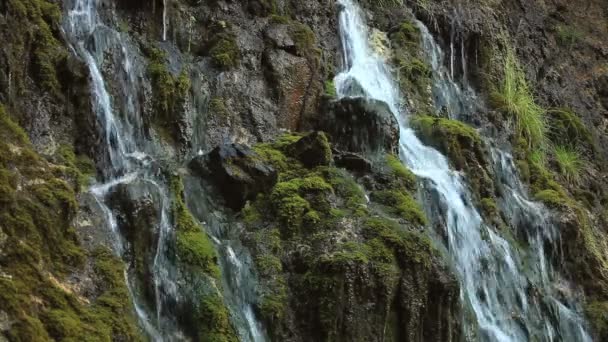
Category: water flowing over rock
[492,279]
[283,170]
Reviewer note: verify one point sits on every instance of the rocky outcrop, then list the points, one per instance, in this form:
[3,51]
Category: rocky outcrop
[238,173]
[312,150]
[360,125]
[334,266]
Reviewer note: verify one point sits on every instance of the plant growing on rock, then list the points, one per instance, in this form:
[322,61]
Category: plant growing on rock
[514,96]
[569,163]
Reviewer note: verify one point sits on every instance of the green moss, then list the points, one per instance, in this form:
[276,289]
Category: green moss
[408,246]
[304,38]
[317,221]
[597,313]
[194,247]
[42,249]
[214,320]
[346,188]
[551,198]
[169,93]
[402,204]
[403,175]
[408,34]
[217,107]
[489,208]
[224,51]
[330,89]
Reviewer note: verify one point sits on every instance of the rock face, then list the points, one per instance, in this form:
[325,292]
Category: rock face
[360,125]
[238,173]
[312,150]
[336,266]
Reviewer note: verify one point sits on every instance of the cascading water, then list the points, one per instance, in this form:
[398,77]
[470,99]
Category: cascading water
[132,162]
[127,163]
[495,287]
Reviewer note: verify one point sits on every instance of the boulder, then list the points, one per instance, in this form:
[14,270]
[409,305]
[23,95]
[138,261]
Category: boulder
[237,171]
[312,150]
[353,162]
[356,124]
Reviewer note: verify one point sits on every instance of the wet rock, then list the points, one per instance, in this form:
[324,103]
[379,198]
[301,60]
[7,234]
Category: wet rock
[312,150]
[360,125]
[237,171]
[138,207]
[352,161]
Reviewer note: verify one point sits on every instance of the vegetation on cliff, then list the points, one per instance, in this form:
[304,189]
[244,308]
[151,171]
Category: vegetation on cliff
[317,220]
[39,251]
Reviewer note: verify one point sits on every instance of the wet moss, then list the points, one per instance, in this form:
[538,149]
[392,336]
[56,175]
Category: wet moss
[193,246]
[413,73]
[462,145]
[408,246]
[456,139]
[214,320]
[330,89]
[403,176]
[169,94]
[401,204]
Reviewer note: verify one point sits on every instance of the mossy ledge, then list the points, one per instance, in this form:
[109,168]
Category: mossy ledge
[193,246]
[39,250]
[317,235]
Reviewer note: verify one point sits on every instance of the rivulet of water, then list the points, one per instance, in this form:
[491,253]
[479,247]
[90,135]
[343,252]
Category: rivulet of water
[131,161]
[495,288]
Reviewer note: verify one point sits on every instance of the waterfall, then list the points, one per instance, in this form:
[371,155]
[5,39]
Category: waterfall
[133,161]
[165,22]
[128,163]
[495,287]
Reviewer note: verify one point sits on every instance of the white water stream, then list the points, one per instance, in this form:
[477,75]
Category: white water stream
[495,287]
[132,162]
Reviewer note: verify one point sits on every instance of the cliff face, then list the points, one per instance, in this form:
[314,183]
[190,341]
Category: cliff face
[159,180]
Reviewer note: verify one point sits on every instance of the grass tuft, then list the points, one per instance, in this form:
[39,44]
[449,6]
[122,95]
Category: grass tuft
[569,163]
[515,97]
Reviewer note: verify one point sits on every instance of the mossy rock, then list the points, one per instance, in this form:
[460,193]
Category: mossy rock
[597,313]
[312,150]
[193,246]
[462,145]
[40,250]
[317,237]
[224,50]
[237,171]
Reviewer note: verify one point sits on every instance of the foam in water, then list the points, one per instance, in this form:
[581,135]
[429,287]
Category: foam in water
[494,286]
